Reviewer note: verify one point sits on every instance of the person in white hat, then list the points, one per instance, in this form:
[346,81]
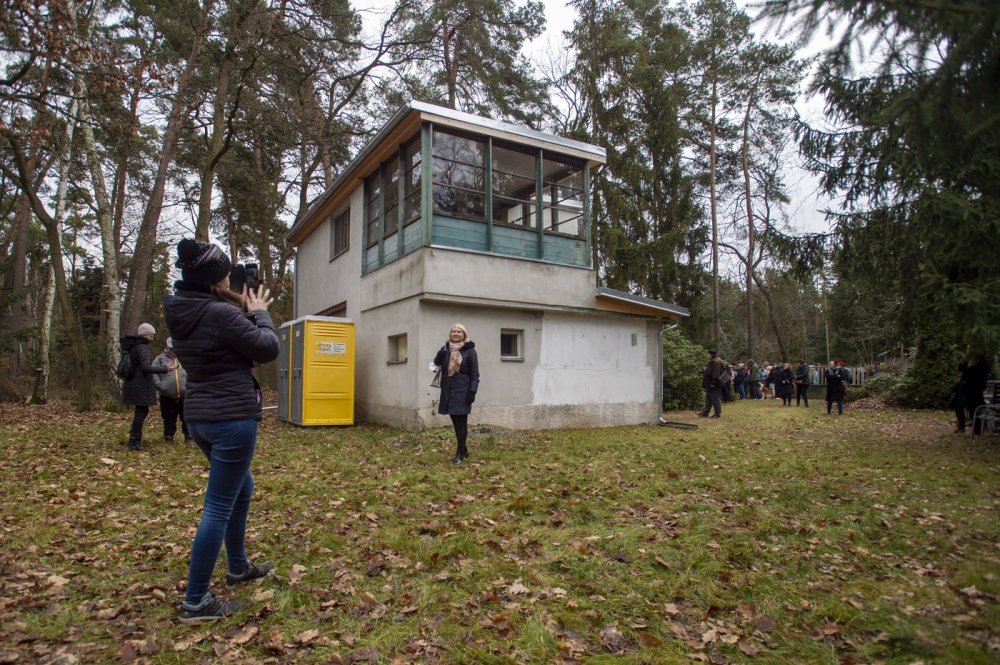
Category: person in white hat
[137,389]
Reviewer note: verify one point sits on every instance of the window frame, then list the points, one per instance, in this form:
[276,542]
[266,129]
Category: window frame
[484,167]
[342,218]
[518,334]
[392,356]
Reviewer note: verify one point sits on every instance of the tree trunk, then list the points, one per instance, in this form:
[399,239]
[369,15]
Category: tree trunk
[773,319]
[751,231]
[40,392]
[716,322]
[215,148]
[142,259]
[110,285]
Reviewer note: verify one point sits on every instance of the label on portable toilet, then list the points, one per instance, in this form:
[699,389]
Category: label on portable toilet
[331,348]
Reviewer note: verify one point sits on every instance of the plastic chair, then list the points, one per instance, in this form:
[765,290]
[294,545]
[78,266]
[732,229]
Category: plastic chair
[988,415]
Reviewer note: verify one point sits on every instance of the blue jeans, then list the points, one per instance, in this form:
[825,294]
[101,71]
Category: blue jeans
[742,387]
[229,447]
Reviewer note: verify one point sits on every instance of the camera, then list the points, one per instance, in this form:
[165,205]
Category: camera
[244,274]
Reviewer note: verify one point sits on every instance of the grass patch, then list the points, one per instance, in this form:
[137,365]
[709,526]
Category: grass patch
[771,535]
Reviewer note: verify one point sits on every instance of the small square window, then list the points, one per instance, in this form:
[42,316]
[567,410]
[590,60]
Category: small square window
[397,349]
[511,344]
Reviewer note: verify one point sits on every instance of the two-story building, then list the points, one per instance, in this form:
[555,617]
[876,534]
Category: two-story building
[448,217]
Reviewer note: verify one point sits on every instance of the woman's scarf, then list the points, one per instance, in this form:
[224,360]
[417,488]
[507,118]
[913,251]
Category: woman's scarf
[455,359]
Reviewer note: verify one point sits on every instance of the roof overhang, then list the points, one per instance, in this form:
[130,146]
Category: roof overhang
[403,125]
[612,300]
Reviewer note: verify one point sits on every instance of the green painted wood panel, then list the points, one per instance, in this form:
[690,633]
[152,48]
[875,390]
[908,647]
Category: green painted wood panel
[515,242]
[371,258]
[390,248]
[459,233]
[571,251]
[413,237]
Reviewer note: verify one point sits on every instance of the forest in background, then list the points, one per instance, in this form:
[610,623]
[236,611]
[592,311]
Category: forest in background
[128,124]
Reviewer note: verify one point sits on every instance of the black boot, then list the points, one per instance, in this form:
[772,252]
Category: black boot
[135,443]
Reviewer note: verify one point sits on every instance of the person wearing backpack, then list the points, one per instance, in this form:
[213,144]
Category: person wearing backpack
[138,389]
[802,383]
[727,382]
[171,387]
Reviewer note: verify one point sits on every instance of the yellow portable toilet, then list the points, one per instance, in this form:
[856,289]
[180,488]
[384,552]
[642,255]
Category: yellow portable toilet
[316,371]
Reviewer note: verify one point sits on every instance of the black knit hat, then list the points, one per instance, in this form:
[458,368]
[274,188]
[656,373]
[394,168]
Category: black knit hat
[202,262]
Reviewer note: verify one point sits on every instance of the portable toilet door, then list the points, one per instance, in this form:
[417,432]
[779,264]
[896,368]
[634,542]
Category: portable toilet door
[284,358]
[322,371]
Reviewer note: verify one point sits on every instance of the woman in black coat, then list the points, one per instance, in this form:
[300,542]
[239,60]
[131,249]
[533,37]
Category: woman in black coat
[973,376]
[459,383]
[138,390]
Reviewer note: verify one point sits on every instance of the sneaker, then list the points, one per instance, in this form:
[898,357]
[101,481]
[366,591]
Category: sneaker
[213,610]
[251,573]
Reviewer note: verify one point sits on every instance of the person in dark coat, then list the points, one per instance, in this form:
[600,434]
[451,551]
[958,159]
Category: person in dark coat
[459,384]
[834,388]
[138,390]
[753,379]
[784,382]
[218,336]
[802,383]
[740,381]
[973,373]
[711,383]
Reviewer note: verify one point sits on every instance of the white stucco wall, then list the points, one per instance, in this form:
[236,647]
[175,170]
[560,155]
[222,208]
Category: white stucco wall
[321,283]
[589,360]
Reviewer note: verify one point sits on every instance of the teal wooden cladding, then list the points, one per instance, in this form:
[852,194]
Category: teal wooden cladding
[371,259]
[460,233]
[561,249]
[515,242]
[390,248]
[413,237]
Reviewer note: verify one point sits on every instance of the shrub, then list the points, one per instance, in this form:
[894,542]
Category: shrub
[927,382]
[882,384]
[683,361]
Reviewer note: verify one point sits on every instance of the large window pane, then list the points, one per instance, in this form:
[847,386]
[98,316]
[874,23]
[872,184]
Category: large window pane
[513,186]
[390,181]
[563,195]
[411,182]
[459,176]
[372,196]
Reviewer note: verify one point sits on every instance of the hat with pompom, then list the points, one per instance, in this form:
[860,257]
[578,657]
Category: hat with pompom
[202,262]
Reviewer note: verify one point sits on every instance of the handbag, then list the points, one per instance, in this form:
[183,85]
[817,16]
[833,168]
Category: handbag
[436,381]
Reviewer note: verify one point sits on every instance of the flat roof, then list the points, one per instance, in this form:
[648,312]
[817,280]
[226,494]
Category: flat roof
[640,302]
[597,155]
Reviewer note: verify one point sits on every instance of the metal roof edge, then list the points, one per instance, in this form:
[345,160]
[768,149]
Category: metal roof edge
[615,294]
[510,128]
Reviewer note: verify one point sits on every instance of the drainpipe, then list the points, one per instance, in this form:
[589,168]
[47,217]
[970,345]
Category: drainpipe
[659,383]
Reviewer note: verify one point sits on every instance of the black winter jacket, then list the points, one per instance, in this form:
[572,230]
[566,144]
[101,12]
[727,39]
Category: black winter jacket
[218,344]
[139,390]
[802,375]
[456,390]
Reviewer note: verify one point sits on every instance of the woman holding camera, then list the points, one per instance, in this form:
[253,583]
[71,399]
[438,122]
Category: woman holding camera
[218,336]
[459,383]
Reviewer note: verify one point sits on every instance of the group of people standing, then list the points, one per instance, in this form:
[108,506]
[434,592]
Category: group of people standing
[163,380]
[779,381]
